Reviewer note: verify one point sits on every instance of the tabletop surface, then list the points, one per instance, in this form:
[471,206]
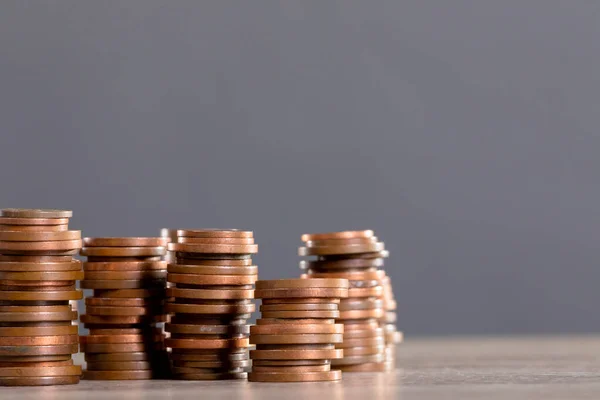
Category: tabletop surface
[442,368]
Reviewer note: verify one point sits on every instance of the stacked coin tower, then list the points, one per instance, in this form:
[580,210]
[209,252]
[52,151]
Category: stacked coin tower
[210,302]
[388,323]
[37,281]
[296,335]
[128,277]
[356,256]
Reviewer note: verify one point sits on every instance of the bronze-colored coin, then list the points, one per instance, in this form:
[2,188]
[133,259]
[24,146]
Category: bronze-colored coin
[130,293]
[363,351]
[335,375]
[36,288]
[341,264]
[301,314]
[126,242]
[289,363]
[371,333]
[40,381]
[118,347]
[340,242]
[34,228]
[299,307]
[208,357]
[40,267]
[360,324]
[296,339]
[120,320]
[242,262]
[212,279]
[120,339]
[210,293]
[211,376]
[214,233]
[32,213]
[306,300]
[282,329]
[38,316]
[41,276]
[34,303]
[35,331]
[188,240]
[375,291]
[117,375]
[296,354]
[123,259]
[65,363]
[212,270]
[353,360]
[118,357]
[210,309]
[38,236]
[123,266]
[220,364]
[124,311]
[337,235]
[291,346]
[125,275]
[31,360]
[284,321]
[208,329]
[302,284]
[38,340]
[367,367]
[301,292]
[214,248]
[120,366]
[37,372]
[109,332]
[362,342]
[40,246]
[207,343]
[368,255]
[36,285]
[351,276]
[38,350]
[108,302]
[123,251]
[33,221]
[361,304]
[360,314]
[41,296]
[123,284]
[292,368]
[341,249]
[21,258]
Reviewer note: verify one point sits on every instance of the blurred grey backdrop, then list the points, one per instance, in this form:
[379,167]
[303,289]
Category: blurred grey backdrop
[464,132]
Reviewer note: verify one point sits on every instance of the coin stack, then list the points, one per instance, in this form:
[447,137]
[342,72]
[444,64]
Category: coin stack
[210,302]
[37,280]
[393,337]
[296,335]
[128,276]
[356,256]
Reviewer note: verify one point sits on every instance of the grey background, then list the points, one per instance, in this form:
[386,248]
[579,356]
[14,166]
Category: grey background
[465,133]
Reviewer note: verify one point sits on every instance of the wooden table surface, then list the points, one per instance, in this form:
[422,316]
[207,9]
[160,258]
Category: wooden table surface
[443,368]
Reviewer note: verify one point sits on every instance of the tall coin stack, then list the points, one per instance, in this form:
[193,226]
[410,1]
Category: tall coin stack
[37,280]
[211,299]
[128,277]
[296,335]
[393,337]
[356,256]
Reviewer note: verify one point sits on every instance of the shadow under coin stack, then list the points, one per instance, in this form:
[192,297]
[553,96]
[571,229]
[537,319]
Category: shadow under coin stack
[296,335]
[356,256]
[211,299]
[125,340]
[37,281]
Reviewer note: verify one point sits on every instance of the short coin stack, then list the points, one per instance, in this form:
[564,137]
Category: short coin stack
[356,256]
[128,277]
[211,299]
[37,280]
[296,336]
[392,336]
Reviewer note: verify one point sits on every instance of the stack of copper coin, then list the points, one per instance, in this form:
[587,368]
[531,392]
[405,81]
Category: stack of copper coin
[393,337]
[210,302]
[37,281]
[128,277]
[356,256]
[296,336]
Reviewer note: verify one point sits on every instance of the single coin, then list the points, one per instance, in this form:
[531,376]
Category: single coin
[42,276]
[121,339]
[109,332]
[212,270]
[296,329]
[120,320]
[350,275]
[362,304]
[301,314]
[210,293]
[360,314]
[117,375]
[107,302]
[241,262]
[291,346]
[341,249]
[295,321]
[215,357]
[214,248]
[123,259]
[40,246]
[130,293]
[35,331]
[292,368]
[41,296]
[25,287]
[36,259]
[125,275]
[212,376]
[367,367]
[118,357]
[36,285]
[341,264]
[301,292]
[208,329]
[207,343]
[123,266]
[34,228]
[340,242]
[188,240]
[337,235]
[362,342]
[368,255]
[214,233]
[299,307]
[32,360]
[210,309]
[296,339]
[33,221]
[120,366]
[40,381]
[302,284]
[44,371]
[123,251]
[35,213]
[212,279]
[352,360]
[289,363]
[220,364]
[38,350]
[38,316]
[65,363]
[296,354]
[360,324]
[123,284]
[305,300]
[363,351]
[370,333]
[335,375]
[125,242]
[40,267]
[38,340]
[118,347]
[375,291]
[124,311]
[37,236]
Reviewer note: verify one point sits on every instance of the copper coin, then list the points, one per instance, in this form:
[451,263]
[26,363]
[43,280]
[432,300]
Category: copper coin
[33,221]
[207,343]
[124,275]
[212,279]
[337,235]
[6,283]
[40,381]
[210,293]
[214,233]
[208,329]
[292,346]
[117,347]
[221,364]
[367,367]
[367,255]
[117,357]
[40,246]
[360,324]
[38,340]
[20,236]
[212,376]
[363,351]
[41,267]
[214,248]
[123,311]
[125,266]
[120,339]
[294,376]
[299,307]
[188,240]
[296,354]
[65,363]
[38,331]
[38,350]
[289,363]
[120,366]
[340,249]
[301,292]
[123,251]
[212,270]
[375,291]
[243,262]
[294,368]
[27,360]
[119,320]
[118,375]
[108,302]
[123,259]
[306,321]
[125,331]
[352,276]
[362,342]
[340,242]
[41,296]
[123,284]
[296,329]
[296,339]
[215,357]
[359,314]
[125,242]
[351,360]
[34,228]
[21,258]
[371,333]
[35,213]
[362,304]
[38,316]
[341,264]
[42,275]
[301,314]
[44,371]
[302,284]
[130,293]
[316,300]
[210,309]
